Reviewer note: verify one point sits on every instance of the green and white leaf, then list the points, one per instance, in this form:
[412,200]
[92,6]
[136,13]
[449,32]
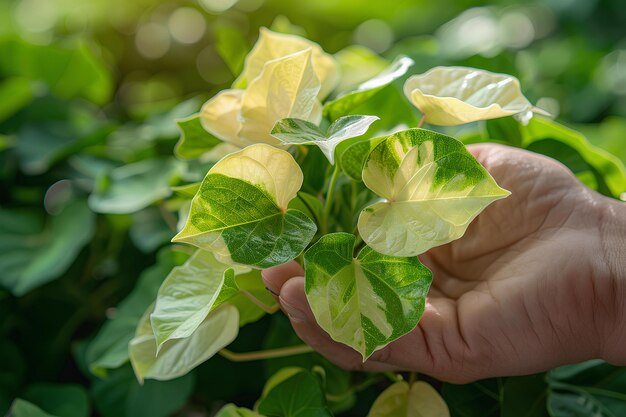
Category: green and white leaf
[366,302]
[404,400]
[301,132]
[432,188]
[293,393]
[364,91]
[179,356]
[241,211]
[189,293]
[449,96]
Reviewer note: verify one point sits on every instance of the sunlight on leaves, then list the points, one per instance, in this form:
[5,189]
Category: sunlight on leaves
[449,96]
[273,45]
[433,188]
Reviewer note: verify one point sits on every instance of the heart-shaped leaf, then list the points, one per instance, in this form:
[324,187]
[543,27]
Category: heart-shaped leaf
[433,188]
[403,400]
[189,293]
[301,132]
[272,45]
[449,96]
[179,356]
[366,302]
[294,393]
[364,91]
[241,211]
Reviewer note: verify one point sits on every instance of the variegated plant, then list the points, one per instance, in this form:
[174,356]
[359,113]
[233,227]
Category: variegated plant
[302,171]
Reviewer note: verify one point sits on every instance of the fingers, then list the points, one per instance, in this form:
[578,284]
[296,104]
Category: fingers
[276,276]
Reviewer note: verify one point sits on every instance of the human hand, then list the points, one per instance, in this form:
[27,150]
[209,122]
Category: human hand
[537,281]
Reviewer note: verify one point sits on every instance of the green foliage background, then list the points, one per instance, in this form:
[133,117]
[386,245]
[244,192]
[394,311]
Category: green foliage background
[89,95]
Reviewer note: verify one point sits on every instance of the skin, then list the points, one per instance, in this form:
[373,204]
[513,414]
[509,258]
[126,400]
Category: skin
[538,281]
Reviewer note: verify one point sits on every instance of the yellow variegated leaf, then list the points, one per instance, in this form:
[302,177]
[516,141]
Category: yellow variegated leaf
[287,87]
[404,400]
[220,116]
[272,45]
[450,96]
[433,188]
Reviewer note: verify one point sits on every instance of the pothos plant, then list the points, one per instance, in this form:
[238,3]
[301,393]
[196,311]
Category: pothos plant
[301,175]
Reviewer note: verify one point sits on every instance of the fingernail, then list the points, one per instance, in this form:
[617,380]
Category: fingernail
[293,312]
[272,291]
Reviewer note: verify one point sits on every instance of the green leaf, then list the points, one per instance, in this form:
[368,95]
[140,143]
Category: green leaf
[232,46]
[607,171]
[40,145]
[61,400]
[67,72]
[21,408]
[342,105]
[297,395]
[524,396]
[177,357]
[133,187]
[366,302]
[120,395]
[32,255]
[231,410]
[301,132]
[15,94]
[109,349]
[478,399]
[358,64]
[433,188]
[189,293]
[251,284]
[240,212]
[352,160]
[194,141]
[591,388]
[404,400]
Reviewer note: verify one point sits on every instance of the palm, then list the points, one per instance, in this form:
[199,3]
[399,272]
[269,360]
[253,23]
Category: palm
[517,269]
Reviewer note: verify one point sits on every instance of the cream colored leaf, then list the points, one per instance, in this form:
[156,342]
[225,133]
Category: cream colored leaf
[287,87]
[416,400]
[433,189]
[220,116]
[450,96]
[179,356]
[272,45]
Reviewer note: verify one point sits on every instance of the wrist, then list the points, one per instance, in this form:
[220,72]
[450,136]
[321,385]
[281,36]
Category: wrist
[613,232]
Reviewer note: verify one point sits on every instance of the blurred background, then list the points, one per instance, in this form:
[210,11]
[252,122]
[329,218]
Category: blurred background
[89,95]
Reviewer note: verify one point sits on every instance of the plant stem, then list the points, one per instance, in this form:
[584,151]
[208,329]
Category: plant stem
[265,354]
[354,389]
[422,121]
[328,204]
[267,308]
